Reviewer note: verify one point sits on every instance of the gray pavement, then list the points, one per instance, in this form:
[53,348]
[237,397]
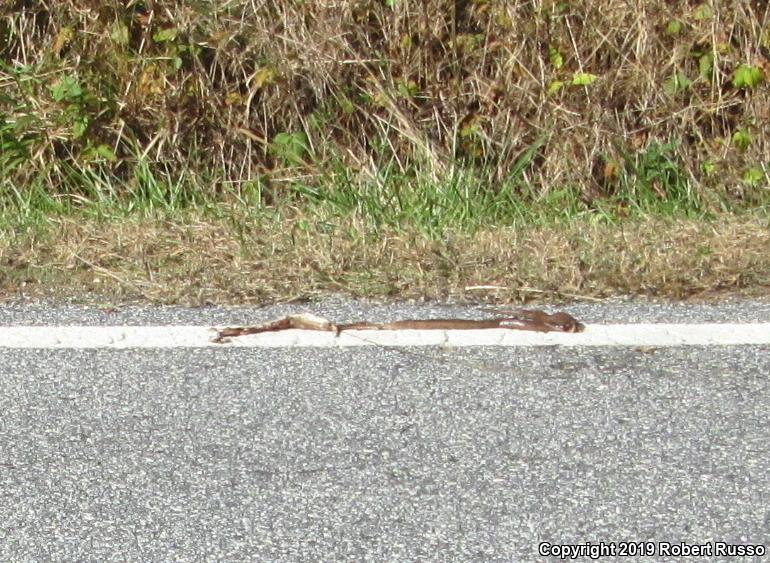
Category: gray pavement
[22,312]
[378,454]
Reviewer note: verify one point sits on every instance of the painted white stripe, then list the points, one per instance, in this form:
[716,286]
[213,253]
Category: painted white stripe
[198,337]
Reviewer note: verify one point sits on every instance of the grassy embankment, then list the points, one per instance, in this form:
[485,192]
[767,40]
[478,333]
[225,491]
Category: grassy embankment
[206,152]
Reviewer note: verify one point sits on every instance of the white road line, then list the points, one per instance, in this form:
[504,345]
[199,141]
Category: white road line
[44,337]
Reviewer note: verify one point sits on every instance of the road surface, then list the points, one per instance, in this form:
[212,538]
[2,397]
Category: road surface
[377,453]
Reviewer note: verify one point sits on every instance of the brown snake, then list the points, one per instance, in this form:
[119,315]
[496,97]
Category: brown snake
[538,321]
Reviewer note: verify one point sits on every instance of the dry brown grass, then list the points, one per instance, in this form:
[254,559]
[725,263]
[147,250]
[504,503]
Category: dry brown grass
[201,262]
[428,85]
[612,103]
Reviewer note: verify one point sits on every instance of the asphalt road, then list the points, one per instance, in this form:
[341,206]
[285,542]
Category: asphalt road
[378,454]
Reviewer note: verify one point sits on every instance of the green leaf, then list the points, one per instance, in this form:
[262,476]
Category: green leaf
[747,76]
[703,12]
[742,139]
[263,77]
[753,176]
[709,167]
[583,78]
[67,88]
[79,127]
[407,89]
[469,130]
[165,35]
[346,105]
[106,153]
[555,86]
[554,56]
[674,27]
[290,148]
[119,33]
[706,65]
[676,83]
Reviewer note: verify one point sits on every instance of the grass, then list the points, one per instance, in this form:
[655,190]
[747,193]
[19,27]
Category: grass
[198,151]
[193,261]
[172,242]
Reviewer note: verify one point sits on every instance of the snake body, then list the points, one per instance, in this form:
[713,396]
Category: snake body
[538,321]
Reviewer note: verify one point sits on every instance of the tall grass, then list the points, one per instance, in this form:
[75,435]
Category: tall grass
[440,112]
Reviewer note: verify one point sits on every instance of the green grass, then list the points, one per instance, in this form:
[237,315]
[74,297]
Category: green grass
[168,237]
[653,184]
[360,149]
[356,106]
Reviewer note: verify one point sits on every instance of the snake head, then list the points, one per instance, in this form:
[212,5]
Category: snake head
[565,323]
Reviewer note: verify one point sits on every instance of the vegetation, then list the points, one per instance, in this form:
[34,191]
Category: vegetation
[384,128]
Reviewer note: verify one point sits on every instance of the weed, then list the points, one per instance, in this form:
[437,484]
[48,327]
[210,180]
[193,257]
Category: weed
[435,120]
[196,89]
[657,183]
